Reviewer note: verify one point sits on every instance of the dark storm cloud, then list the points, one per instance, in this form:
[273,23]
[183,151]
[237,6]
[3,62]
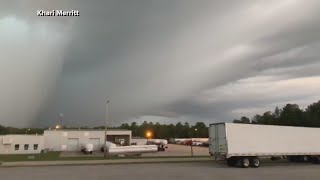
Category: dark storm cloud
[165,60]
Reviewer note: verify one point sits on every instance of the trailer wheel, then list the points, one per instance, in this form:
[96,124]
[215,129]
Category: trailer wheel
[245,162]
[292,158]
[315,160]
[255,162]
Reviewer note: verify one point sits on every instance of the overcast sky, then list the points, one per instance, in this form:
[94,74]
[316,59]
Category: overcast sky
[166,61]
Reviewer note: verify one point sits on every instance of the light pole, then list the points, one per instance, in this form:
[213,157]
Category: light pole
[60,118]
[105,135]
[196,130]
[191,148]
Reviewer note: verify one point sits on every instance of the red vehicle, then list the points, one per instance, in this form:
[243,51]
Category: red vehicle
[188,142]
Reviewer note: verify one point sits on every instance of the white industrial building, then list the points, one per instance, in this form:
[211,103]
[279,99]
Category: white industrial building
[61,140]
[21,144]
[73,140]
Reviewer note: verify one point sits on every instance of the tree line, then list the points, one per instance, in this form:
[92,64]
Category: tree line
[160,131]
[289,115]
[166,131]
[12,130]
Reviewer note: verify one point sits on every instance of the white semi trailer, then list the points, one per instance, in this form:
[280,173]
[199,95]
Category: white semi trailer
[245,144]
[112,149]
[161,143]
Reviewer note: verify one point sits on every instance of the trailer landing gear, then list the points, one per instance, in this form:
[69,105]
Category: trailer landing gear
[232,161]
[315,160]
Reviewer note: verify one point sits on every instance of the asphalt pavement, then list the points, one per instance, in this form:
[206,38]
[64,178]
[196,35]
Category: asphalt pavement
[174,171]
[107,161]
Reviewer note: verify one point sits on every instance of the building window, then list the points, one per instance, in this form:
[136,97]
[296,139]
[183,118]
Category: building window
[16,147]
[26,146]
[35,147]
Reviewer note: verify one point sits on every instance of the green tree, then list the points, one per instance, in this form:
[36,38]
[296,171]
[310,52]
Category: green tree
[179,130]
[277,112]
[186,130]
[257,119]
[171,132]
[125,126]
[312,115]
[3,130]
[268,118]
[243,120]
[157,130]
[291,115]
[200,130]
[134,129]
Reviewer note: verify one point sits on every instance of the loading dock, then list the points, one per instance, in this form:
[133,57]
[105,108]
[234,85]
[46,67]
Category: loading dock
[72,144]
[73,140]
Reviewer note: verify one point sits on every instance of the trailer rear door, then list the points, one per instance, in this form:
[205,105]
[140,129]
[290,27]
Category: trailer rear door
[217,139]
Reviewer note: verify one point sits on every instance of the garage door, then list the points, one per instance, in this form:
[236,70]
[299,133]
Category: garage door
[95,142]
[73,144]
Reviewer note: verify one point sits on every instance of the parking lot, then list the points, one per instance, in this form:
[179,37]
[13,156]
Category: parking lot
[185,171]
[172,150]
[181,150]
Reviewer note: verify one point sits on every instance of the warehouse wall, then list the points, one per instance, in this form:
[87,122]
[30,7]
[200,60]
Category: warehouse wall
[16,144]
[52,140]
[73,140]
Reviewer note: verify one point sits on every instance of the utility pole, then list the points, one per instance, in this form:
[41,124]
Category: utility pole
[106,127]
[196,130]
[191,148]
[60,118]
[191,145]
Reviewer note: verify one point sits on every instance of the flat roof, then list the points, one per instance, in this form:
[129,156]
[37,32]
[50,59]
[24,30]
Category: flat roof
[86,130]
[21,135]
[138,138]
